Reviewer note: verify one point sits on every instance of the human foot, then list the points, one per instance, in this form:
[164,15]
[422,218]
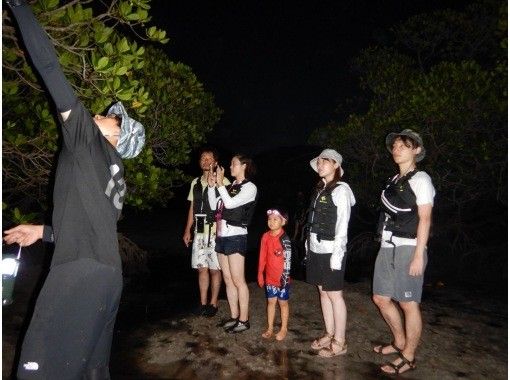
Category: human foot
[388,349]
[322,342]
[281,334]
[400,365]
[335,348]
[268,334]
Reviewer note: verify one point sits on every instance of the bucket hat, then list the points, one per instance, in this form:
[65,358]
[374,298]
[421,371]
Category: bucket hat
[390,139]
[332,155]
[132,133]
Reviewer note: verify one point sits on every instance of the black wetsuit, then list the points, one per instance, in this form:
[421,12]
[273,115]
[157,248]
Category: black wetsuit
[70,333]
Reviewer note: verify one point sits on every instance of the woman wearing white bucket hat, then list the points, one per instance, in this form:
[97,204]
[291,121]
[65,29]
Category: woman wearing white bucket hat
[328,219]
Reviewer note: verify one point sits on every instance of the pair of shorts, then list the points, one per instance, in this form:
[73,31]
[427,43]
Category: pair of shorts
[228,245]
[319,272]
[70,334]
[391,274]
[282,294]
[203,254]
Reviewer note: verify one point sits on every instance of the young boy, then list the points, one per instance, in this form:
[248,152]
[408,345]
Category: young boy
[274,262]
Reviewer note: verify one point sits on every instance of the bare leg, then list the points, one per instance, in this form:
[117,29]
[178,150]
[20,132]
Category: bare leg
[215,285]
[393,319]
[236,265]
[339,314]
[271,311]
[284,312]
[413,323]
[203,284]
[232,295]
[327,311]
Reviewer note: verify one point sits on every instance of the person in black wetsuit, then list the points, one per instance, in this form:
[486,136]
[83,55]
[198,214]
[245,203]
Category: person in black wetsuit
[70,333]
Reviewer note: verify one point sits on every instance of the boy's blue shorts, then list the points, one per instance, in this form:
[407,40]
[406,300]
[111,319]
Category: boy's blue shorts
[275,291]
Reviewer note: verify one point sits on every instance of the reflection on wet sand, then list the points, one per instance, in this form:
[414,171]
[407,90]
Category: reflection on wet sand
[464,336]
[189,347]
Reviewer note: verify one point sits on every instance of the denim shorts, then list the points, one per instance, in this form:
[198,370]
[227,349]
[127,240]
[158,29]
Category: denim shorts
[228,245]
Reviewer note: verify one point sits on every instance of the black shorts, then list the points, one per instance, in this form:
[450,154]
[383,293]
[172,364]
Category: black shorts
[71,330]
[318,272]
[229,245]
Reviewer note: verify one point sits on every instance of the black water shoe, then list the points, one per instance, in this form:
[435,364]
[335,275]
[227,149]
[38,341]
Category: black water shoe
[229,323]
[239,327]
[210,310]
[200,310]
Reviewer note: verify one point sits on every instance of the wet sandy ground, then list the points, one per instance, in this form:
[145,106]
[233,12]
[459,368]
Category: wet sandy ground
[465,335]
[462,338]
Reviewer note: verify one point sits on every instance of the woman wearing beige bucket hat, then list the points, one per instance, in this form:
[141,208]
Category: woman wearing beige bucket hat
[328,218]
[404,225]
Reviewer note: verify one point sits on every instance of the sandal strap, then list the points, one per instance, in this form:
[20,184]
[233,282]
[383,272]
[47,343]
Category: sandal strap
[333,340]
[392,344]
[405,361]
[410,363]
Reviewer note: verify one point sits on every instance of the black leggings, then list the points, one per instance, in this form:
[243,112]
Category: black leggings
[70,334]
[44,58]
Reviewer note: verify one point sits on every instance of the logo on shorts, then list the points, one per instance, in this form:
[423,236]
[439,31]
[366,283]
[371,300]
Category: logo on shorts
[31,366]
[408,294]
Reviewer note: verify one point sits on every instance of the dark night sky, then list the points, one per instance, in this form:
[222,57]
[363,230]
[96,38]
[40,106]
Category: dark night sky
[276,68]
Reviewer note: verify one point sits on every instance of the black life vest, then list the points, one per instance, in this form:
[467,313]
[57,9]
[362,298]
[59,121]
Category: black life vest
[399,212]
[322,214]
[240,216]
[201,201]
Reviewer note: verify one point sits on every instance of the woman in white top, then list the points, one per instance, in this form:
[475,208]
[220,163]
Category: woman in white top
[328,219]
[234,208]
[406,217]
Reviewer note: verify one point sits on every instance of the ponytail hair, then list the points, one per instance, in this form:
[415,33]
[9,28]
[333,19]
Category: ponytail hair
[250,169]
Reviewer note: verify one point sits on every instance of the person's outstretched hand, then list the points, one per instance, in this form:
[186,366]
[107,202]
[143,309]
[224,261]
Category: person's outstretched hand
[24,234]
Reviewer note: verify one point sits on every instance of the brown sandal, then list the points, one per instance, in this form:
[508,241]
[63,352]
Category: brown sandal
[335,348]
[317,345]
[397,367]
[379,349]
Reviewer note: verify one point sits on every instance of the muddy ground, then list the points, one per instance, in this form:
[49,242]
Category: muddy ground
[465,336]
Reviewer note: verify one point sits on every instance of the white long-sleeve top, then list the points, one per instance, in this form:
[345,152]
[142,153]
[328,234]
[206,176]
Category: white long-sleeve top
[247,194]
[343,199]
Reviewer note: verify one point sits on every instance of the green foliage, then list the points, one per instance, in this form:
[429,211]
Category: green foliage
[450,35]
[457,103]
[103,64]
[17,217]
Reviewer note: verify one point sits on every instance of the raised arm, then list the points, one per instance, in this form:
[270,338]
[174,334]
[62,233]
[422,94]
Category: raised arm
[43,56]
[247,194]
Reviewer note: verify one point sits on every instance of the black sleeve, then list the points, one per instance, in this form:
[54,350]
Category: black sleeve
[48,234]
[44,58]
